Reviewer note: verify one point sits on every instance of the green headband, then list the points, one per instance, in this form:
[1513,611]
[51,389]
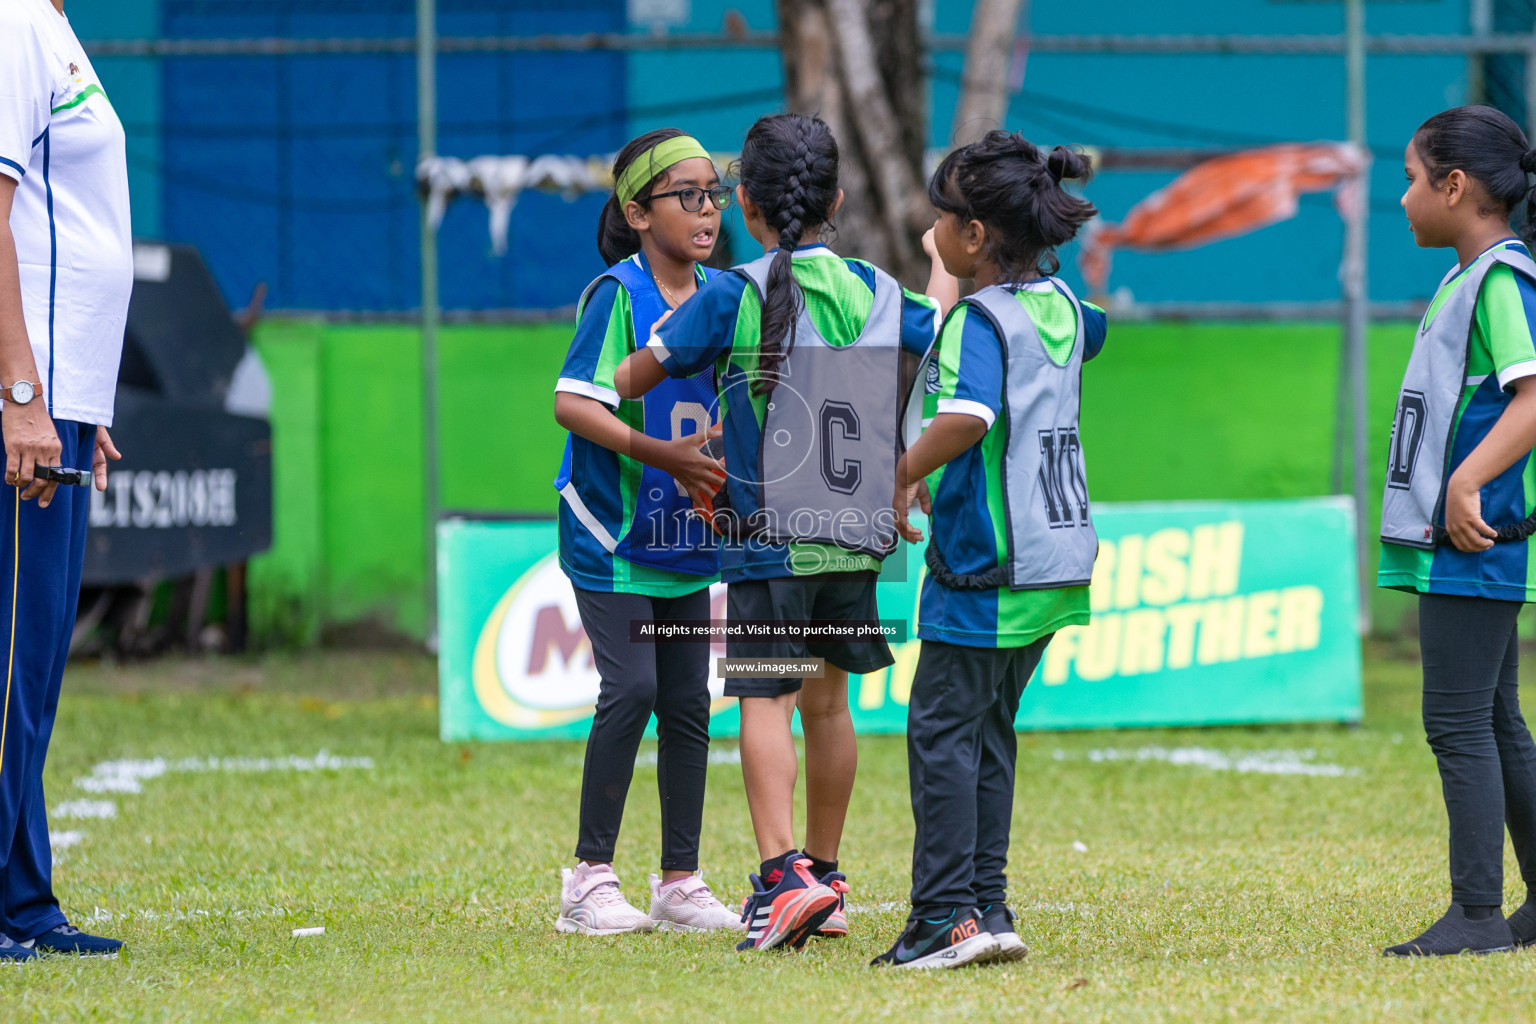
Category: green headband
[653,161]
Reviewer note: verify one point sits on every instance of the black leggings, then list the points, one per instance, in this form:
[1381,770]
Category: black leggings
[1472,720]
[671,679]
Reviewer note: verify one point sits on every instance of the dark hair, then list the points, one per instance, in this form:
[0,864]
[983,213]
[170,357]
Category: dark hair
[1485,145]
[1014,189]
[616,240]
[789,170]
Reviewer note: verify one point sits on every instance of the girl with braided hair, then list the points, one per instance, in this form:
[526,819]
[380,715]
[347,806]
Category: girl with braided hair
[815,355]
[1013,544]
[1458,509]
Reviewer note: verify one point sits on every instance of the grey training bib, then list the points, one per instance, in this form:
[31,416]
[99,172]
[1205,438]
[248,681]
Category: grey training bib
[831,431]
[1422,428]
[1051,537]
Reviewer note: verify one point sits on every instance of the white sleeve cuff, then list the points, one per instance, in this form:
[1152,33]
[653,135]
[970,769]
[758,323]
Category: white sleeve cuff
[587,389]
[658,349]
[11,169]
[969,408]
[1514,372]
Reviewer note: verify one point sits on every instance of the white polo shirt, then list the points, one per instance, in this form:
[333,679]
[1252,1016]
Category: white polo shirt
[61,141]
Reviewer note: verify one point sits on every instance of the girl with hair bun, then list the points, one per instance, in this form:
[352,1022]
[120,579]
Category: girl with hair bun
[1013,544]
[815,355]
[629,542]
[1457,512]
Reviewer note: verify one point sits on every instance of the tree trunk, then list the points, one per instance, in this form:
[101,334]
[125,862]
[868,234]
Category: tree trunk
[852,62]
[988,56]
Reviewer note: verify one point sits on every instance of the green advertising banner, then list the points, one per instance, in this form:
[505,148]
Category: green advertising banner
[1204,613]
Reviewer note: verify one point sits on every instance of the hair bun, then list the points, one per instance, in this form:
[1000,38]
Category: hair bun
[1067,163]
[1528,161]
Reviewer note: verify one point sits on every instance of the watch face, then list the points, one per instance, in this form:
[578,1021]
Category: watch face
[22,392]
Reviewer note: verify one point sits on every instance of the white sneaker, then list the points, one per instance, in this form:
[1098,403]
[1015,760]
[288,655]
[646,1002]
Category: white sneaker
[689,906]
[592,904]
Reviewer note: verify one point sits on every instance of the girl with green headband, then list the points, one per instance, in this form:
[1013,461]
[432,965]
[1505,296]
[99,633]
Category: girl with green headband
[628,541]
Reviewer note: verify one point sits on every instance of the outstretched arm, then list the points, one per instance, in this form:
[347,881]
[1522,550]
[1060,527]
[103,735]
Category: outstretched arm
[943,287]
[637,374]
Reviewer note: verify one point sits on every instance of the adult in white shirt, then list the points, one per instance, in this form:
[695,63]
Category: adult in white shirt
[66,270]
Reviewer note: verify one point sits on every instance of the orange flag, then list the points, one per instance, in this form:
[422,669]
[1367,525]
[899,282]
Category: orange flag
[1224,197]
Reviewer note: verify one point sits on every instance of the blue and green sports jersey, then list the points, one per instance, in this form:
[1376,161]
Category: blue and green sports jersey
[608,484]
[720,327]
[969,522]
[1502,349]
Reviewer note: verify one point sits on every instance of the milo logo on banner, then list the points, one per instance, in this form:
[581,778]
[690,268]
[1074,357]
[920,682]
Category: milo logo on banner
[1170,599]
[533,665]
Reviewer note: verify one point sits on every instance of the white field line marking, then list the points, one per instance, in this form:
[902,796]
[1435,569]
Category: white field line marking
[128,775]
[101,914]
[302,932]
[729,756]
[86,809]
[64,840]
[1261,762]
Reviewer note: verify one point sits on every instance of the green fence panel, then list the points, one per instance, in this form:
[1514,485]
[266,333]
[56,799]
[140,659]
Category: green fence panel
[285,583]
[1171,412]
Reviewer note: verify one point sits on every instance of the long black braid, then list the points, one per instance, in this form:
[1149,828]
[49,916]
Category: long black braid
[789,170]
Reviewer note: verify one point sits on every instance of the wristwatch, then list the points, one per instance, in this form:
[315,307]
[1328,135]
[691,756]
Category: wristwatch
[22,392]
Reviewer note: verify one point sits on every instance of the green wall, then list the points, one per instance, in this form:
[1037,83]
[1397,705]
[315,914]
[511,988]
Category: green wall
[348,535]
[1171,411]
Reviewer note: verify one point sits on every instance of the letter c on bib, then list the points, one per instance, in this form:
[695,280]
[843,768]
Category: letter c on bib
[841,476]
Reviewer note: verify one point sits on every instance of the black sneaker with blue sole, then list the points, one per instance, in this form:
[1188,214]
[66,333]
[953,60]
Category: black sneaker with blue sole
[66,938]
[955,941]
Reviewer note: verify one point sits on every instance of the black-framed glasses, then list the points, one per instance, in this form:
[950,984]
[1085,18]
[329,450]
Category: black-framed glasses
[692,197]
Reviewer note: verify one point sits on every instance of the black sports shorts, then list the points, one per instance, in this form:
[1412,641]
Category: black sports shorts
[843,595]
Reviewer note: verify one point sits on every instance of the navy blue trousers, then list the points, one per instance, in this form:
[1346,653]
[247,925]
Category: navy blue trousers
[41,553]
[961,753]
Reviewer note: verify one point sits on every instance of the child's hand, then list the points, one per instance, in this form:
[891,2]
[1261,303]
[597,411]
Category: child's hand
[902,502]
[942,288]
[704,504]
[700,475]
[1464,517]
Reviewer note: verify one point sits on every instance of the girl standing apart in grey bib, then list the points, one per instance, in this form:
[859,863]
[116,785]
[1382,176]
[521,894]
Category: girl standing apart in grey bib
[1455,515]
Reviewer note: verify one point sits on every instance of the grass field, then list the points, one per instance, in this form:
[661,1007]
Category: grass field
[1257,882]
